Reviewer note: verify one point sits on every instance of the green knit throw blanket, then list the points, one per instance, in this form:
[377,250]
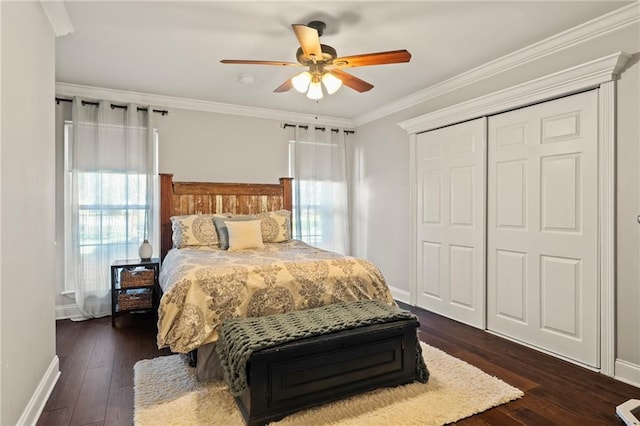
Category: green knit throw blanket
[240,337]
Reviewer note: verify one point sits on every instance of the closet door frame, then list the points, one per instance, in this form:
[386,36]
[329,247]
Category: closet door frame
[601,74]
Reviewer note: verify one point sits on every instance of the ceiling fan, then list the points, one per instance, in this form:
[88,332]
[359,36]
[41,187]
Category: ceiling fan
[324,65]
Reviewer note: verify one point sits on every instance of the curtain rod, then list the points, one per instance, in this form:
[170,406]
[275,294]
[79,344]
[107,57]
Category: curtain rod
[304,126]
[160,111]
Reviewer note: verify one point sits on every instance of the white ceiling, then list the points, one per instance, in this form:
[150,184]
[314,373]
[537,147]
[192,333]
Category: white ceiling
[175,48]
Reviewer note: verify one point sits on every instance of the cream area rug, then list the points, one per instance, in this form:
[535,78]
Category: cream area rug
[166,393]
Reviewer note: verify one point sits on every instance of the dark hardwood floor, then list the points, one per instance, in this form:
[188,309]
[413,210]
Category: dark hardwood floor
[96,384]
[96,363]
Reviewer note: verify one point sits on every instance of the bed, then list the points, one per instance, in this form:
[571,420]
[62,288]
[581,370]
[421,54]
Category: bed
[203,284]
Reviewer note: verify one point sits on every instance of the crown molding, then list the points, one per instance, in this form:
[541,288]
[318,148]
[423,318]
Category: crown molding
[58,17]
[169,102]
[581,77]
[598,27]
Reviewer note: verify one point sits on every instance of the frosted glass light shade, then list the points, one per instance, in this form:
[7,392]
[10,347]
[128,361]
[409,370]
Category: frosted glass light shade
[315,90]
[331,83]
[145,251]
[301,81]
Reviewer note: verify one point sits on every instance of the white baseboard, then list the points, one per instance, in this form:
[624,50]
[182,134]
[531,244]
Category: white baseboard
[67,311]
[34,408]
[400,294]
[627,372]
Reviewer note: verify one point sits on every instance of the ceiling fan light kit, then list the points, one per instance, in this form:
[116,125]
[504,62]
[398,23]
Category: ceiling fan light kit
[308,83]
[324,65]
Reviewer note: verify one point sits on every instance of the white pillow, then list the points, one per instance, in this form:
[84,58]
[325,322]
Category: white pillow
[244,235]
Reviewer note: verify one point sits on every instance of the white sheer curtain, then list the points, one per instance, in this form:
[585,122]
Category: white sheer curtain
[321,208]
[111,162]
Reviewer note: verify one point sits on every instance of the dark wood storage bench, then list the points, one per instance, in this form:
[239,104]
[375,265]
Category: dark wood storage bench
[293,376]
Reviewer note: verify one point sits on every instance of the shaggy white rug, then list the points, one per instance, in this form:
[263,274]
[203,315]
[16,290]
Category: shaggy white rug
[167,393]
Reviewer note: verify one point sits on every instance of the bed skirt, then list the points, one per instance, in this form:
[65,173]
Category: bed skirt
[207,363]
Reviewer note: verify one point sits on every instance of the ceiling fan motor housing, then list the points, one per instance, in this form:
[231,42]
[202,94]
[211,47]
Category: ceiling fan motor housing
[328,55]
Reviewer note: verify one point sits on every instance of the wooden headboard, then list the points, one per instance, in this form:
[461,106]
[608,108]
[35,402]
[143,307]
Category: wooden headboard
[182,198]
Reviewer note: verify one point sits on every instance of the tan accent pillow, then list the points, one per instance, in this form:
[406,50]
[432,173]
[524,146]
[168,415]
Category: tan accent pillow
[193,230]
[221,226]
[244,235]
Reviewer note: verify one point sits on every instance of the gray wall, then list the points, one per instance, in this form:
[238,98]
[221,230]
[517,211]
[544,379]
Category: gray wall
[628,209]
[380,207]
[26,196]
[204,146]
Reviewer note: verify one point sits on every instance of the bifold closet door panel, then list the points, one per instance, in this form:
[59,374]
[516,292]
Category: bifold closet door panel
[542,275]
[450,166]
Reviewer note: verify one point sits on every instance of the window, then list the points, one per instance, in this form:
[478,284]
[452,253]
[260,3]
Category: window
[307,216]
[112,213]
[320,209]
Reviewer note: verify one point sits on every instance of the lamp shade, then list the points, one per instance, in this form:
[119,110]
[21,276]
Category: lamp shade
[301,81]
[331,83]
[315,90]
[145,251]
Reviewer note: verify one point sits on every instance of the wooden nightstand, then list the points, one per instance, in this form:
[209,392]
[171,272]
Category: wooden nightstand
[134,286]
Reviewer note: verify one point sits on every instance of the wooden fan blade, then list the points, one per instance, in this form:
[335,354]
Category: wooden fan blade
[378,58]
[352,81]
[251,62]
[284,87]
[309,40]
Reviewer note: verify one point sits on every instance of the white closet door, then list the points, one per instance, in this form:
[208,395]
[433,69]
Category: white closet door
[542,276]
[450,221]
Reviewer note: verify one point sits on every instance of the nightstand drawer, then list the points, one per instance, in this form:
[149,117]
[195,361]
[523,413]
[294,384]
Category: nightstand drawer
[136,277]
[137,299]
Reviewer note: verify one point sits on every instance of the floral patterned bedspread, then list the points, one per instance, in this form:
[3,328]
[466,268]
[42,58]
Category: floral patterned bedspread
[203,286]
